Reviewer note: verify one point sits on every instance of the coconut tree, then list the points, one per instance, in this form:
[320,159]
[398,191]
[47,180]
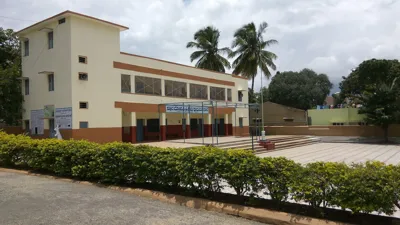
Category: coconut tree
[249,48]
[208,54]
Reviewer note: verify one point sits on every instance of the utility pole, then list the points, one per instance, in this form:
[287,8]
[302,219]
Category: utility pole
[262,109]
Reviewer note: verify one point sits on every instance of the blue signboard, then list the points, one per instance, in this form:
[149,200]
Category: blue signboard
[186,109]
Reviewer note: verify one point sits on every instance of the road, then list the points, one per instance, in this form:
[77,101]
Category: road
[35,200]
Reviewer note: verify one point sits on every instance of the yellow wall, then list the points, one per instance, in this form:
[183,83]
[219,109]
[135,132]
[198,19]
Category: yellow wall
[330,116]
[57,60]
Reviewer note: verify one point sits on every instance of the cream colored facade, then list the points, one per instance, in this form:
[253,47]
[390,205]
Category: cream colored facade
[99,42]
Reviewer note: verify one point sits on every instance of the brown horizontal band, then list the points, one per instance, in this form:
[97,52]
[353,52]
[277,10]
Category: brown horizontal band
[126,66]
[145,107]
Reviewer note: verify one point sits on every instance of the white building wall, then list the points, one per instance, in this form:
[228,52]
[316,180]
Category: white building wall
[57,60]
[100,44]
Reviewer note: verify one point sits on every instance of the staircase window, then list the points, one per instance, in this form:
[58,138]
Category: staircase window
[240,121]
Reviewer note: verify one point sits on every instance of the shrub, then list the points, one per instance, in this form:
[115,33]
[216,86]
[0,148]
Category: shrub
[203,174]
[362,188]
[277,176]
[241,171]
[317,183]
[369,187]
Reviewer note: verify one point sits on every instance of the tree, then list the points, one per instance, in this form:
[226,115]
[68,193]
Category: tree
[338,98]
[209,55]
[250,52]
[375,85]
[265,95]
[9,48]
[10,84]
[302,90]
[10,96]
[252,96]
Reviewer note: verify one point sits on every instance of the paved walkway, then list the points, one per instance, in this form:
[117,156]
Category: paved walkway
[340,152]
[35,200]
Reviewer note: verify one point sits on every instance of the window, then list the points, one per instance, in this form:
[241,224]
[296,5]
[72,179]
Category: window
[27,126]
[198,91]
[83,124]
[83,59]
[83,76]
[125,83]
[51,82]
[83,105]
[50,40]
[240,121]
[61,21]
[175,88]
[217,93]
[26,48]
[153,125]
[229,93]
[26,85]
[147,85]
[240,96]
[338,124]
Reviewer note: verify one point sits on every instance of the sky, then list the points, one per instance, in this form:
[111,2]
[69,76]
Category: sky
[328,36]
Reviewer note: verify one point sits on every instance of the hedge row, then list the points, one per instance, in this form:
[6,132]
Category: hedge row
[360,187]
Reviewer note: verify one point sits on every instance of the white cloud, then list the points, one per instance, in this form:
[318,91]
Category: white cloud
[329,36]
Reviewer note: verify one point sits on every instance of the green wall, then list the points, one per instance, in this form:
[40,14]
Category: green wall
[329,116]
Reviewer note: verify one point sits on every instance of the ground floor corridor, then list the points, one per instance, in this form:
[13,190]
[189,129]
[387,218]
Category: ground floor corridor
[139,127]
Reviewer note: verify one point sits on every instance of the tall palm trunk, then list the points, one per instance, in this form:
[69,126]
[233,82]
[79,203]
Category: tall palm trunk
[252,84]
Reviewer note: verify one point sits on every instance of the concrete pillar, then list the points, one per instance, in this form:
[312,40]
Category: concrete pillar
[162,87]
[133,90]
[187,90]
[207,125]
[163,127]
[187,133]
[133,127]
[226,128]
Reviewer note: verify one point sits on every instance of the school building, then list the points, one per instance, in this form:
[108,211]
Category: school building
[76,77]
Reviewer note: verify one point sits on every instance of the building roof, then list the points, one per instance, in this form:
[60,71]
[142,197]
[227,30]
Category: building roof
[66,14]
[284,106]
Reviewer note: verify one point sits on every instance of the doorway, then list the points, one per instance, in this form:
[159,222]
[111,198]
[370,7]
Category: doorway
[219,127]
[139,130]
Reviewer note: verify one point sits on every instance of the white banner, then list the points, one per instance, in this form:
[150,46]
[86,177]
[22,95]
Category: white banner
[37,122]
[185,109]
[63,118]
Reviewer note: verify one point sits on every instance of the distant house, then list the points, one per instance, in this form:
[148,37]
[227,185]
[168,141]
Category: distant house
[278,115]
[329,101]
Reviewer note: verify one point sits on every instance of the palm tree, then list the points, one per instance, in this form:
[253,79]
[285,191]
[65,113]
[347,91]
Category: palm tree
[209,55]
[250,45]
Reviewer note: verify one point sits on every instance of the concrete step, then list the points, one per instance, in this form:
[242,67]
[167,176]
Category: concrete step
[280,143]
[295,145]
[296,142]
[248,141]
[291,144]
[283,148]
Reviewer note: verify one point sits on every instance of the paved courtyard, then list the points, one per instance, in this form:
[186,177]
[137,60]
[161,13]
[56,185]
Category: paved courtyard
[30,200]
[340,152]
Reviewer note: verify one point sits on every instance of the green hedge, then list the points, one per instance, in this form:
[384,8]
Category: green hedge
[360,187]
